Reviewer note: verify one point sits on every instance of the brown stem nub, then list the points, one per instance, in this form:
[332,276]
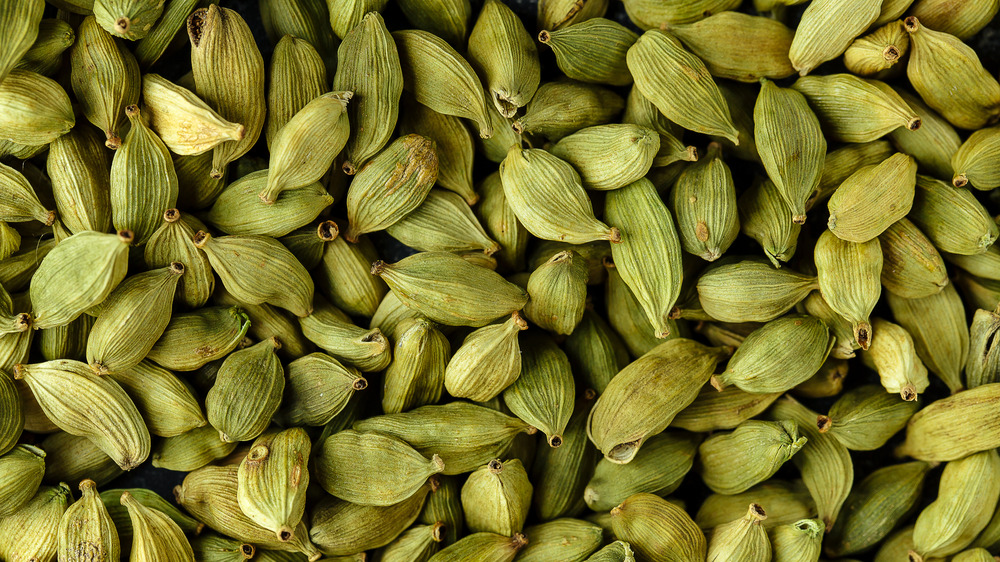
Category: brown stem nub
[195,27]
[132,111]
[891,53]
[378,266]
[495,466]
[555,441]
[799,219]
[201,238]
[716,383]
[914,124]
[22,322]
[589,394]
[518,127]
[608,262]
[248,550]
[863,334]
[349,168]
[126,236]
[960,180]
[692,154]
[437,531]
[19,372]
[327,231]
[519,541]
[172,215]
[112,141]
[285,534]
[177,268]
[756,512]
[360,383]
[276,342]
[911,24]
[122,25]
[908,392]
[912,555]
[823,423]
[544,36]
[614,235]
[522,324]
[50,218]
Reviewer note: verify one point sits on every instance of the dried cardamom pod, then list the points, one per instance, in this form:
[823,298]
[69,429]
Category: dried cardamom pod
[238,209]
[853,109]
[473,296]
[738,46]
[751,291]
[933,145]
[161,36]
[877,52]
[943,345]
[20,203]
[765,217]
[963,20]
[647,14]
[486,433]
[155,535]
[974,555]
[797,542]
[19,25]
[308,242]
[105,78]
[655,527]
[912,267]
[448,19]
[54,36]
[848,274]
[419,542]
[595,351]
[503,51]
[192,339]
[592,50]
[10,240]
[866,417]
[967,496]
[858,216]
[187,125]
[971,230]
[557,292]
[778,356]
[12,416]
[442,223]
[496,498]
[272,481]
[444,505]
[73,458]
[132,318]
[566,538]
[973,162]
[333,331]
[192,450]
[129,19]
[86,530]
[453,142]
[22,468]
[639,402]
[79,169]
[483,546]
[345,276]
[173,242]
[167,404]
[556,14]
[704,201]
[437,75]
[952,428]
[151,501]
[34,110]
[31,532]
[143,181]
[609,156]
[940,58]
[713,410]
[893,355]
[87,405]
[983,364]
[487,362]
[743,539]
[984,265]
[298,73]
[341,528]
[416,375]
[543,393]
[788,501]
[679,85]
[827,29]
[641,111]
[561,108]
[734,462]
[229,75]
[247,392]
[257,269]
[318,388]
[841,163]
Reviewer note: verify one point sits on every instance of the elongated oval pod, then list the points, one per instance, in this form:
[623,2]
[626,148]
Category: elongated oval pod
[32,531]
[12,419]
[557,292]
[827,28]
[877,52]
[54,36]
[751,291]
[339,528]
[789,501]
[933,145]
[841,163]
[971,229]
[503,51]
[765,217]
[848,274]
[616,426]
[595,351]
[985,265]
[209,494]
[893,355]
[257,269]
[272,481]
[442,223]
[192,450]
[419,542]
[345,15]
[609,156]
[704,201]
[560,475]
[983,364]
[238,209]
[105,79]
[159,38]
[800,541]
[308,242]
[963,20]
[167,404]
[496,498]
[973,162]
[173,242]
[318,389]
[20,25]
[487,362]
[229,75]
[743,539]
[734,462]
[785,125]
[912,267]
[416,375]
[73,458]
[853,109]
[591,51]
[86,527]
[298,73]
[856,215]
[713,410]
[34,110]
[483,546]
[543,393]
[332,330]
[84,404]
[486,434]
[192,339]
[20,202]
[150,500]
[132,318]
[444,505]
[618,551]
[155,536]
[562,539]
[79,169]
[564,107]
[128,19]
[247,392]
[455,149]
[187,125]
[655,527]
[954,427]
[939,58]
[143,181]
[739,46]
[23,468]
[345,276]
[866,417]
[450,290]
[445,18]
[679,85]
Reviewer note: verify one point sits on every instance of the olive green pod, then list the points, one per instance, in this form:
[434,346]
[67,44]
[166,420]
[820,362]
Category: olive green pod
[162,35]
[12,418]
[713,410]
[618,551]
[344,468]
[34,110]
[849,275]
[778,356]
[657,529]
[797,542]
[247,392]
[167,404]
[644,397]
[556,14]
[557,292]
[790,143]
[173,242]
[876,506]
[192,450]
[484,547]
[22,468]
[307,243]
[496,498]
[734,462]
[877,52]
[679,85]
[961,19]
[765,217]
[595,351]
[31,532]
[486,433]
[743,539]
[440,78]
[824,463]
[318,388]
[70,458]
[131,319]
[345,276]
[272,481]
[973,162]
[192,339]
[938,59]
[983,364]
[448,19]
[648,256]
[866,417]
[20,202]
[341,528]
[751,291]
[893,355]
[897,547]
[609,156]
[450,290]
[659,468]
[209,494]
[911,265]
[933,145]
[333,331]
[543,394]
[954,427]
[54,36]
[298,72]
[105,79]
[565,107]
[788,501]
[128,19]
[591,51]
[704,202]
[738,46]
[87,405]
[184,123]
[444,505]
[826,30]
[416,375]
[974,554]
[562,539]
[502,50]
[841,163]
[853,109]
[256,269]
[943,345]
[79,169]
[487,362]
[229,75]
[419,543]
[20,27]
[442,223]
[238,209]
[150,500]
[143,181]
[967,496]
[641,111]
[155,536]
[455,149]
[86,530]
[10,240]
[860,211]
[985,265]
[345,15]
[560,474]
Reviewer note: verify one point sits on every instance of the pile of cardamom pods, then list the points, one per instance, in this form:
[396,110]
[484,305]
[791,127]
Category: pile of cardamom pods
[722,285]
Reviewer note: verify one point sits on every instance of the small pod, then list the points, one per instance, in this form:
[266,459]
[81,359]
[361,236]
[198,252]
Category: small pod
[751,291]
[32,531]
[565,107]
[342,528]
[743,539]
[975,160]
[893,355]
[714,410]
[983,364]
[35,109]
[334,332]
[247,392]
[445,18]
[20,25]
[827,28]
[442,223]
[877,52]
[765,217]
[801,541]
[503,51]
[953,428]
[961,19]
[22,469]
[272,481]
[192,450]
[860,211]
[496,498]
[609,156]
[187,125]
[595,351]
[487,362]
[557,292]
[455,149]
[933,145]
[192,339]
[848,274]
[704,202]
[79,169]
[298,73]
[731,463]
[942,345]
[128,19]
[167,404]
[912,267]
[856,110]
[866,417]
[738,46]
[416,375]
[560,475]
[155,536]
[543,394]
[652,525]
[336,384]
[591,51]
[87,527]
[971,229]
[788,501]
[238,208]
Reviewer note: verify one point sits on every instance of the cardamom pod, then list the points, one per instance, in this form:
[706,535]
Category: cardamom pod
[341,528]
[983,364]
[592,50]
[192,339]
[31,532]
[23,468]
[448,19]
[455,149]
[129,19]
[238,209]
[933,145]
[973,161]
[952,428]
[569,539]
[487,362]
[543,394]
[609,156]
[503,51]
[743,539]
[841,163]
[197,187]
[827,29]
[86,530]
[298,73]
[187,125]
[565,107]
[272,481]
[848,274]
[173,242]
[155,536]
[963,20]
[713,410]
[416,375]
[192,450]
[240,415]
[20,202]
[345,276]
[34,110]
[982,265]
[79,169]
[877,52]
[167,404]
[496,498]
[161,36]
[334,332]
[738,46]
[734,462]
[73,458]
[20,26]
[442,223]
[856,110]
[911,265]
[657,529]
[483,546]
[765,217]
[647,14]
[595,351]
[894,356]
[751,291]
[54,36]
[866,417]
[788,501]
[942,345]
[704,201]
[801,541]
[857,216]
[336,384]
[151,501]
[557,292]
[419,542]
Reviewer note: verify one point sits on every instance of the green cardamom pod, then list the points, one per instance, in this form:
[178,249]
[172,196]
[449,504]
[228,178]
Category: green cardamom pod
[618,551]
[496,498]
[31,532]
[951,428]
[167,404]
[483,546]
[192,450]
[34,110]
[341,528]
[841,163]
[336,385]
[738,46]
[345,15]
[788,501]
[192,339]
[971,230]
[448,19]
[419,542]
[641,111]
[866,417]
[238,209]
[853,109]
[487,362]
[155,536]
[345,276]
[161,36]
[609,156]
[734,462]
[444,505]
[658,529]
[150,500]
[801,541]
[129,19]
[54,36]
[713,410]
[333,331]
[307,243]
[239,414]
[591,51]
[86,530]
[505,54]
[197,187]
[827,29]
[556,14]
[874,54]
[857,216]
[974,555]
[765,217]
[983,364]
[12,416]
[848,275]
[961,20]
[743,539]
[173,242]
[595,351]
[10,240]
[557,292]
[567,539]
[23,468]
[751,290]
[79,169]
[20,28]
[72,458]
[982,265]
[565,107]
[943,345]
[20,202]
[561,474]
[272,481]
[416,375]
[298,73]
[543,394]
[933,145]
[443,222]
[911,267]
[893,355]
[973,161]
[187,125]
[704,202]
[455,149]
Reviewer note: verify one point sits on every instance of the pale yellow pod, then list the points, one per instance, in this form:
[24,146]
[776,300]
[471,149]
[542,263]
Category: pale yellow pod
[827,28]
